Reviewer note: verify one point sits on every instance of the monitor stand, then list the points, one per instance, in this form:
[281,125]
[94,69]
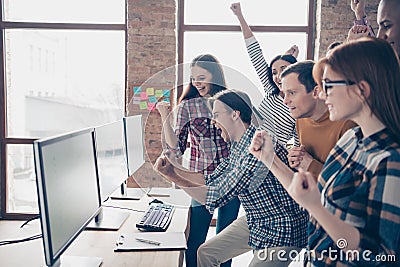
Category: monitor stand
[128,193]
[77,261]
[108,219]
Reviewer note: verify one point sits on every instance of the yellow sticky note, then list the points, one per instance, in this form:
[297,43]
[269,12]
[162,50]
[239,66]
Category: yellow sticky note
[143,105]
[150,91]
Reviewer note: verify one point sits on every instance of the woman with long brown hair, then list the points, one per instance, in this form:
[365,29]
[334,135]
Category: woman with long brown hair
[355,205]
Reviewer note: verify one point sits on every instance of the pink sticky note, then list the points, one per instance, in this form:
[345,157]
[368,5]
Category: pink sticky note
[143,96]
[151,106]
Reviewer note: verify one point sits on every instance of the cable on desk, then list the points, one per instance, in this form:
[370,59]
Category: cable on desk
[8,242]
[122,208]
[31,219]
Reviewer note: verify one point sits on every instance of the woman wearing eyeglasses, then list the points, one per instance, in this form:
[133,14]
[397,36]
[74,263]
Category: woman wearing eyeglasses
[355,205]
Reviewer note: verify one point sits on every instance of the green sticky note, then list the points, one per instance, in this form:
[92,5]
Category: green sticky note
[143,105]
[159,93]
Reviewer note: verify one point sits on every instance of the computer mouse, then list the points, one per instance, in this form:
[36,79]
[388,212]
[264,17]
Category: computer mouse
[155,201]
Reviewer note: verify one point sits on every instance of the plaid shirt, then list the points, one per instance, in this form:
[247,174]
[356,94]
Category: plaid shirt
[207,148]
[360,184]
[273,217]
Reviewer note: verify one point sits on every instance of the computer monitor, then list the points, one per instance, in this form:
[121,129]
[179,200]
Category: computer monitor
[134,142]
[112,170]
[68,192]
[134,146]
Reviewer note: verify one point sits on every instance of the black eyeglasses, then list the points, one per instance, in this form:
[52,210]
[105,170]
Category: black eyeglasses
[329,84]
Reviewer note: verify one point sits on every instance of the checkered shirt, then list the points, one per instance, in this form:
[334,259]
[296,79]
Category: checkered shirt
[273,217]
[207,148]
[360,184]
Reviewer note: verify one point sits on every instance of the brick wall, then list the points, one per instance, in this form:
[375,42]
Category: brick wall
[151,49]
[334,18]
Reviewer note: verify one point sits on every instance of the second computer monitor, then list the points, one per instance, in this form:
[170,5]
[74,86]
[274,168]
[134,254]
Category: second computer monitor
[134,142]
[111,157]
[134,148]
[113,172]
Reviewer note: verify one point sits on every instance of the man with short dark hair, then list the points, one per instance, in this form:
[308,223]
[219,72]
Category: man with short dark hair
[389,23]
[317,134]
[273,220]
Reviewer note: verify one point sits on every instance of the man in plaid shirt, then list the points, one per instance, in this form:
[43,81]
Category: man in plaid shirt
[273,221]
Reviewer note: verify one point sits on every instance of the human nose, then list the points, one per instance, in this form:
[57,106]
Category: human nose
[381,34]
[285,99]
[322,95]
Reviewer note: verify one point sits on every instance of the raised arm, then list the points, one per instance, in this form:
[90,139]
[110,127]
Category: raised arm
[304,190]
[169,135]
[293,50]
[254,50]
[262,148]
[247,33]
[191,182]
[358,7]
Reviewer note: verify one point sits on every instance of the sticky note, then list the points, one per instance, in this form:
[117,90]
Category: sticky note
[137,90]
[159,93]
[166,100]
[150,91]
[152,99]
[143,96]
[151,106]
[143,105]
[135,100]
[167,93]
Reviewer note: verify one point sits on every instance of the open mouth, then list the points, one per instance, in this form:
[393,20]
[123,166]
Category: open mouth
[201,89]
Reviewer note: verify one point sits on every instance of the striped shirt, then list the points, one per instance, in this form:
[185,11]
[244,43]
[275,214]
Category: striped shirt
[360,184]
[275,114]
[273,217]
[207,147]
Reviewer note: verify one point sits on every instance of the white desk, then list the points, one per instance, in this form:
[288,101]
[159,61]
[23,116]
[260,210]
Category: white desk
[96,243]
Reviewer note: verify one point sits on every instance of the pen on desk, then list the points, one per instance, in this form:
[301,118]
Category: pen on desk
[148,241]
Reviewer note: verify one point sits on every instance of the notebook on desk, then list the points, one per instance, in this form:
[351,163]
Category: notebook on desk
[151,241]
[159,192]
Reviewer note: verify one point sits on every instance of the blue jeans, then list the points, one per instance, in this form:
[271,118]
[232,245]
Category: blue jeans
[200,220]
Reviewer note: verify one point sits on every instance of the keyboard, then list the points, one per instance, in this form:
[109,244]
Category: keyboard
[157,218]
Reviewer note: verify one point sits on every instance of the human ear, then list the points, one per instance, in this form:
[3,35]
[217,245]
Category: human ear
[316,92]
[364,89]
[236,114]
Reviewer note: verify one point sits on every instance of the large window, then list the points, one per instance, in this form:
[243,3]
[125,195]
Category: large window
[63,67]
[210,26]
